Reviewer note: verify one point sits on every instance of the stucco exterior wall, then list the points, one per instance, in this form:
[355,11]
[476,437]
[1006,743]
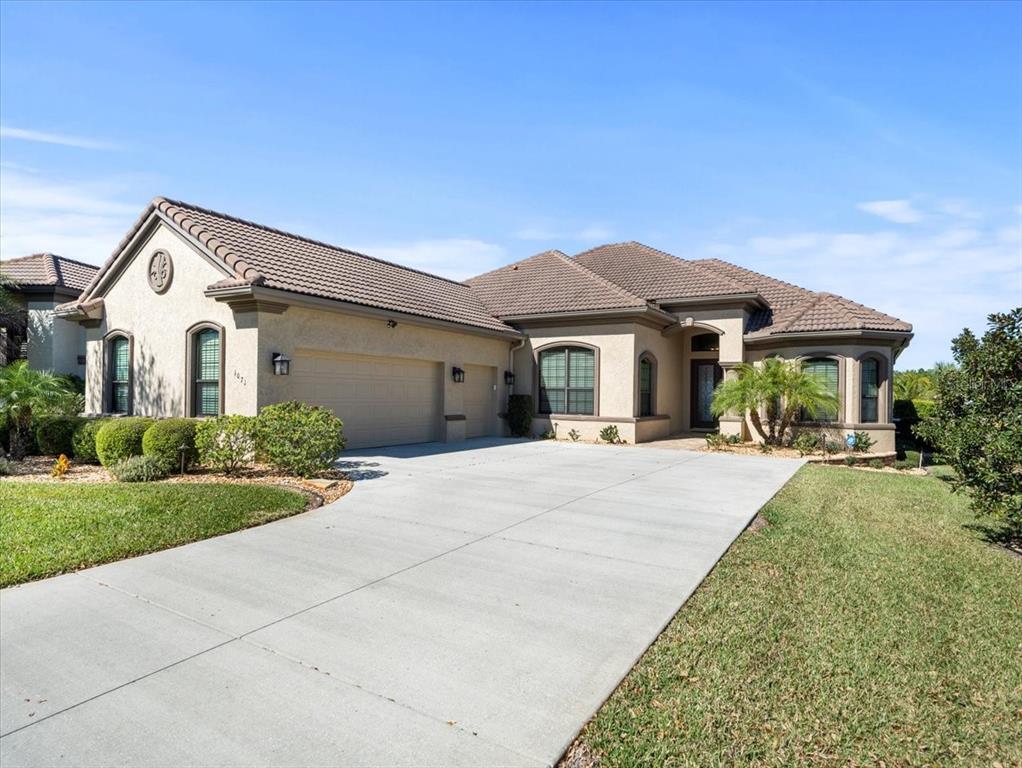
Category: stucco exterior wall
[54,344]
[159,325]
[300,330]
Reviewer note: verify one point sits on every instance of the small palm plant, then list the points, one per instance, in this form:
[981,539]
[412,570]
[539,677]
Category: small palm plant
[25,391]
[778,390]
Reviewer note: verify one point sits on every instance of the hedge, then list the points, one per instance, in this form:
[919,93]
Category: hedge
[55,434]
[83,441]
[120,438]
[163,440]
[519,415]
[299,438]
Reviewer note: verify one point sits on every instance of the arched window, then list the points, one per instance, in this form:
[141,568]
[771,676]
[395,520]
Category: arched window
[567,380]
[119,374]
[206,371]
[647,385]
[825,371]
[705,342]
[869,404]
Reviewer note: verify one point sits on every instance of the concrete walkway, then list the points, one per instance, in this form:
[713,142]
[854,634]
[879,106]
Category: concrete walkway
[469,606]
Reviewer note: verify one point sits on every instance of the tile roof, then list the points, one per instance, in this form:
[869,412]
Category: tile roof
[47,269]
[655,275]
[549,282]
[254,254]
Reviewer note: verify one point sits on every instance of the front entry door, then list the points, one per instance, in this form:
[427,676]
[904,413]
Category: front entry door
[706,375]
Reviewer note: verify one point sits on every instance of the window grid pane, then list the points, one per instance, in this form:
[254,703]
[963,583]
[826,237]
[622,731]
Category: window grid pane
[119,359]
[120,398]
[207,357]
[567,380]
[870,391]
[825,372]
[581,368]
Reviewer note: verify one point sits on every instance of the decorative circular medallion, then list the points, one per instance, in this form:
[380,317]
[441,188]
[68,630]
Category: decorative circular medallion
[161,271]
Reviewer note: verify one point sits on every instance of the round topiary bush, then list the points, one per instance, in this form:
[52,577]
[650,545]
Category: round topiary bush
[120,438]
[163,440]
[298,438]
[55,434]
[83,442]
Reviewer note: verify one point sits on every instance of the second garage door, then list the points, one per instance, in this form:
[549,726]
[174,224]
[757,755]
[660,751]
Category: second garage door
[381,400]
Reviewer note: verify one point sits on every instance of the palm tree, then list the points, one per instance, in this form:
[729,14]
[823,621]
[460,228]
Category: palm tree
[25,391]
[913,385]
[779,389]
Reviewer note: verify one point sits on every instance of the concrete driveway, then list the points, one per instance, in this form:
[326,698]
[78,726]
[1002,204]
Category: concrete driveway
[459,607]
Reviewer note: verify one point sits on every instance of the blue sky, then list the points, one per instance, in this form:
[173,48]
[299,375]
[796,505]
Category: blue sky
[873,150]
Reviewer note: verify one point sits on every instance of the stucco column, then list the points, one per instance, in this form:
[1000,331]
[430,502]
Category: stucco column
[731,422]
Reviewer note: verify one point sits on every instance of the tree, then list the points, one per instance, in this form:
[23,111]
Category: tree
[25,392]
[914,385]
[779,389]
[976,424]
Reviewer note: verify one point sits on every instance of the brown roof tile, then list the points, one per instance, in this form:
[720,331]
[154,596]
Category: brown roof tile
[259,255]
[548,282]
[655,275]
[48,269]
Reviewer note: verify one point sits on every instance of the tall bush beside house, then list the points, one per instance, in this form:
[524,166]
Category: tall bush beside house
[226,443]
[298,438]
[119,439]
[54,435]
[83,442]
[25,393]
[519,415]
[777,390]
[162,443]
[976,423]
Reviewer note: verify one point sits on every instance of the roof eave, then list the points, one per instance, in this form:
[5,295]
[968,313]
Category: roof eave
[756,339]
[716,298]
[254,297]
[580,314]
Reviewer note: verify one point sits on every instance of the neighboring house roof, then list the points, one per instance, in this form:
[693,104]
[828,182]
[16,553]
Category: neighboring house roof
[655,275]
[549,283]
[44,270]
[256,255]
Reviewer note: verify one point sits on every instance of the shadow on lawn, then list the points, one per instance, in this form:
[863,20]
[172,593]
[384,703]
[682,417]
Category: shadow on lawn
[999,535]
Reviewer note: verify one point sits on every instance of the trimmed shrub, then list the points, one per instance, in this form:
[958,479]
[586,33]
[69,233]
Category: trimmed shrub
[299,438]
[163,440]
[806,443]
[138,469]
[226,443]
[118,439]
[519,415]
[83,442]
[851,461]
[863,442]
[55,434]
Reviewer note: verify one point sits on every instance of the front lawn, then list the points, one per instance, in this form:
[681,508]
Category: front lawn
[49,528]
[868,624]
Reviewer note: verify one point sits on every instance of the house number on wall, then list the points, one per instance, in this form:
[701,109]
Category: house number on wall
[242,379]
[161,270]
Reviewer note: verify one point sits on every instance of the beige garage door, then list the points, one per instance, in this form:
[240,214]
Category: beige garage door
[381,400]
[480,400]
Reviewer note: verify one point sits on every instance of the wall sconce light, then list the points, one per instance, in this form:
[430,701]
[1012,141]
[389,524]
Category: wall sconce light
[392,323]
[509,378]
[281,364]
[457,374]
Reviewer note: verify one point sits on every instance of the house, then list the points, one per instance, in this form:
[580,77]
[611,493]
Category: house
[198,313]
[37,284]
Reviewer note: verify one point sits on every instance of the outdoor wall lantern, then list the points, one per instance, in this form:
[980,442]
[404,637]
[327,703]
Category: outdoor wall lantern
[281,364]
[457,374]
[509,378]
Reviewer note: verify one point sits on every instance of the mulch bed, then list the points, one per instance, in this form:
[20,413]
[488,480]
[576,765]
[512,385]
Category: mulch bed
[327,487]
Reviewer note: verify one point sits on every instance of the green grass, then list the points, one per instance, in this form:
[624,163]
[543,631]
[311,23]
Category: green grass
[46,529]
[866,625]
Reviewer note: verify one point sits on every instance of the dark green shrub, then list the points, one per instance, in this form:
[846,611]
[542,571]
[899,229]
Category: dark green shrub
[55,434]
[851,461]
[806,443]
[138,469]
[519,415]
[6,468]
[610,434]
[118,439]
[715,441]
[905,464]
[226,443]
[83,442]
[299,438]
[863,442]
[876,464]
[912,457]
[734,439]
[163,440]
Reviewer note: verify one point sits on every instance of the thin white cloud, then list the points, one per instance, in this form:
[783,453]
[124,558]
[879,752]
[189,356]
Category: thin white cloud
[80,220]
[63,139]
[590,233]
[456,258]
[898,211]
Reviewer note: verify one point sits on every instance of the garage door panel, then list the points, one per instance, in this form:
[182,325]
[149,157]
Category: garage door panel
[381,400]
